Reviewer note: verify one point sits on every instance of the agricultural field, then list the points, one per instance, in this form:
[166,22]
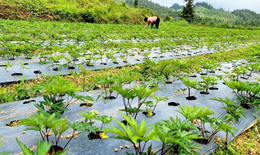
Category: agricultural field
[94,88]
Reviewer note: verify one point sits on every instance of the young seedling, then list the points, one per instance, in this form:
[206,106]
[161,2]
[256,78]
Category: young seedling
[20,72]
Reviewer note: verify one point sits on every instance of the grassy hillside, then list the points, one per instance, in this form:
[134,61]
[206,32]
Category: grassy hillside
[94,11]
[215,14]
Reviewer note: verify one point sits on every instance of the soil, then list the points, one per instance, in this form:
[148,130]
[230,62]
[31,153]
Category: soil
[55,149]
[247,137]
[203,92]
[168,82]
[92,135]
[71,67]
[246,106]
[202,141]
[213,88]
[191,98]
[31,101]
[85,105]
[110,98]
[17,74]
[125,122]
[145,113]
[37,72]
[173,104]
[13,123]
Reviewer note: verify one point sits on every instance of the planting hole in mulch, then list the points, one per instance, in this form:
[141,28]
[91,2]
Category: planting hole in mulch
[90,65]
[162,56]
[146,114]
[25,63]
[137,59]
[154,57]
[2,65]
[56,69]
[61,95]
[56,61]
[110,98]
[202,141]
[191,98]
[31,101]
[124,122]
[37,72]
[55,149]
[71,67]
[173,104]
[246,106]
[203,73]
[17,74]
[168,82]
[13,123]
[93,135]
[193,75]
[213,88]
[211,71]
[28,58]
[103,63]
[86,105]
[203,92]
[115,62]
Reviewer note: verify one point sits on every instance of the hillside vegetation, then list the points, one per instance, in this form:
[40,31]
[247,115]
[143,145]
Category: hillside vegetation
[93,11]
[159,10]
[207,13]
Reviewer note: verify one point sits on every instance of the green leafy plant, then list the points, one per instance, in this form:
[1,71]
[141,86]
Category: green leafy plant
[175,136]
[44,123]
[138,135]
[206,82]
[199,117]
[107,81]
[55,89]
[234,111]
[191,84]
[152,105]
[89,121]
[22,67]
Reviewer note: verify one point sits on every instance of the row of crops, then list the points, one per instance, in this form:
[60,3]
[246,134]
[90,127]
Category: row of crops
[176,119]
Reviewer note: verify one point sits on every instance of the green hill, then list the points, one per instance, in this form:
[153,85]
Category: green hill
[159,10]
[246,14]
[176,6]
[94,11]
[203,13]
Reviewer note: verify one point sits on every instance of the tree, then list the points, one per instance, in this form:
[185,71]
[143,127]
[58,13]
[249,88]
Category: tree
[136,3]
[188,12]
